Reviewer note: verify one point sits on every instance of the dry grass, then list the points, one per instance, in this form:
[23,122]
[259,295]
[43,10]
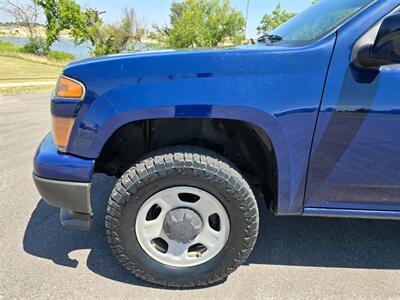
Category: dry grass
[18,69]
[21,68]
[25,90]
[33,58]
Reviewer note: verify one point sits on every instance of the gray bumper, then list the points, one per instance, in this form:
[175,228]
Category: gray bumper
[72,197]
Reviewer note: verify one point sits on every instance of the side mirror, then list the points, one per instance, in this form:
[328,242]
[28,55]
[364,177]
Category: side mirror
[386,49]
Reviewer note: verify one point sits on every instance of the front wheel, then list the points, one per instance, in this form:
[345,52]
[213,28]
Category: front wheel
[184,217]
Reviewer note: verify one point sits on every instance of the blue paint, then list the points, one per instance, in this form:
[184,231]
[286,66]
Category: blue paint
[335,129]
[49,163]
[352,213]
[188,111]
[247,84]
[355,163]
[65,107]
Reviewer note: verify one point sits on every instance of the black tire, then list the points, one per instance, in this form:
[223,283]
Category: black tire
[174,166]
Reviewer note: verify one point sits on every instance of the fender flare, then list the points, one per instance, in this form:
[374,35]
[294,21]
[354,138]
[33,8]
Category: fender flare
[267,123]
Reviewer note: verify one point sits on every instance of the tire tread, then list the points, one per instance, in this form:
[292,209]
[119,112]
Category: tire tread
[179,159]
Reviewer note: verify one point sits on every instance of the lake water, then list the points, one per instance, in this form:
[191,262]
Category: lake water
[80,51]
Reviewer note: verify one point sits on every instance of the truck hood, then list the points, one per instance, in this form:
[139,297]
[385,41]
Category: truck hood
[158,69]
[175,52]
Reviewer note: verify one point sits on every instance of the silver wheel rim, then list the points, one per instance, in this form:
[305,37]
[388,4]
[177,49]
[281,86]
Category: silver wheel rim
[151,233]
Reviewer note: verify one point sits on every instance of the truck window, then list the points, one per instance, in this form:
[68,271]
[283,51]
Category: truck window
[318,20]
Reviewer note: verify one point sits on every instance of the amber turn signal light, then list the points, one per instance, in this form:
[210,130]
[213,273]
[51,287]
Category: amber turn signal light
[62,128]
[69,88]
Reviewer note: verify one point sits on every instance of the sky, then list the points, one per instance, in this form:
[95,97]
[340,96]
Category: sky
[157,11]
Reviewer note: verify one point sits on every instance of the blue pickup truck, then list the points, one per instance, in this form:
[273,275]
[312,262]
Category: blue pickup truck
[306,120]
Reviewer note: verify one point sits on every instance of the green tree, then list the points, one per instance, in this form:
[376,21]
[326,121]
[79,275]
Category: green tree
[87,25]
[202,23]
[273,20]
[26,15]
[115,38]
[162,32]
[62,15]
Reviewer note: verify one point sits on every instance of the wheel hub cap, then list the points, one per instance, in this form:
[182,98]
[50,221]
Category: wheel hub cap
[182,225]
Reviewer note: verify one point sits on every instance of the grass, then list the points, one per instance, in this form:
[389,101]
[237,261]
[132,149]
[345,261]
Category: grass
[19,69]
[33,58]
[56,58]
[8,47]
[60,56]
[25,90]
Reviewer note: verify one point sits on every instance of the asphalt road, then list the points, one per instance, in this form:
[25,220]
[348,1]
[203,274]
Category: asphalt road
[294,258]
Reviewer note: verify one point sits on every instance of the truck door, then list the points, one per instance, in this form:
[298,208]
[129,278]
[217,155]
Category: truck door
[355,158]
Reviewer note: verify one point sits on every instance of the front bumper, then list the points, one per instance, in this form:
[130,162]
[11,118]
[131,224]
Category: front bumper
[73,198]
[64,181]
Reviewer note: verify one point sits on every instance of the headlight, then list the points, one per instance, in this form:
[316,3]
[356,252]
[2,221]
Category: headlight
[62,128]
[69,88]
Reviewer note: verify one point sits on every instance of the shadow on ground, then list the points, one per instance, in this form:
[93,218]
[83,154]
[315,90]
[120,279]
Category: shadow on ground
[291,241]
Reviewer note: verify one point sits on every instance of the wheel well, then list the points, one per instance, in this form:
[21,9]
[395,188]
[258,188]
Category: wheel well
[246,145]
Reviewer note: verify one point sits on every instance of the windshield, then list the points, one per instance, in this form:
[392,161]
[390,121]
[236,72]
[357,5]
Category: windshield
[318,20]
